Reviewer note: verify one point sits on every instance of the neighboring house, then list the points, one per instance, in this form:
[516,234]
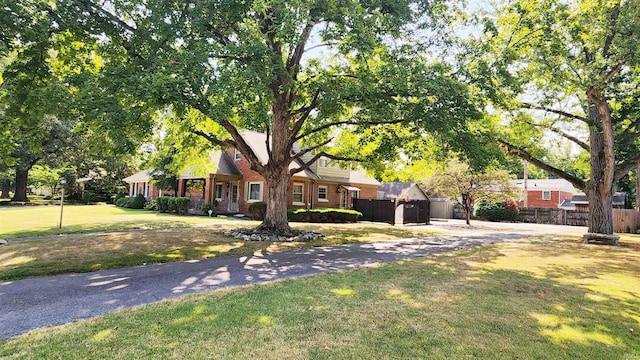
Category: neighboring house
[140,183]
[234,186]
[545,193]
[580,201]
[402,191]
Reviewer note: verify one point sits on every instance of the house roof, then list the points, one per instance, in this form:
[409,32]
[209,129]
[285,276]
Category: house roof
[545,185]
[394,190]
[142,176]
[581,199]
[355,177]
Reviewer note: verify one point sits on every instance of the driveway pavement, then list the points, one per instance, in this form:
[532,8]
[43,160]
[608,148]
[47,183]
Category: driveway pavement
[29,304]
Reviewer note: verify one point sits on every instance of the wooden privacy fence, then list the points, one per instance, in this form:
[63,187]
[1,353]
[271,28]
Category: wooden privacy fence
[624,220]
[392,212]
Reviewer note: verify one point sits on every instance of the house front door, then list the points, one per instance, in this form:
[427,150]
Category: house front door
[233,198]
[343,199]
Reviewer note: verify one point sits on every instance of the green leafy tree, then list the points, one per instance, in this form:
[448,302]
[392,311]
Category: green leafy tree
[257,65]
[568,71]
[460,183]
[51,105]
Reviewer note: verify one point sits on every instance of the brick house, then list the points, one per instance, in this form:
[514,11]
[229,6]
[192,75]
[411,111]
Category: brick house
[234,186]
[545,193]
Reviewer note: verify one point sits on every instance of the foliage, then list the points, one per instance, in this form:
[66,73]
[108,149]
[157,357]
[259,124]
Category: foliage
[136,202]
[566,72]
[179,205]
[257,210]
[458,183]
[300,71]
[162,203]
[209,206]
[321,215]
[504,210]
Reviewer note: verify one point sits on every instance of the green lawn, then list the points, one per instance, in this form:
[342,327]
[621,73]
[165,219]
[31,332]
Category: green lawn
[28,221]
[543,298]
[96,251]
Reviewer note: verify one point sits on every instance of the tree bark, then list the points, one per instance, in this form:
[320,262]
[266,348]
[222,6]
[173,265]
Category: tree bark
[638,187]
[599,191]
[275,219]
[22,175]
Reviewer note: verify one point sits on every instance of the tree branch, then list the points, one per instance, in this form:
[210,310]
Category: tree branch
[306,111]
[623,168]
[570,137]
[301,153]
[554,111]
[227,143]
[347,122]
[308,164]
[293,63]
[524,154]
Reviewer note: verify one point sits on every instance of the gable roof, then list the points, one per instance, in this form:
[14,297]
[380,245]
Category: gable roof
[141,176]
[394,190]
[581,199]
[545,185]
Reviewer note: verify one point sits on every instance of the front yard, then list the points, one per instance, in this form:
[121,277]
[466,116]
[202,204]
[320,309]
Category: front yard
[29,221]
[548,297]
[91,252]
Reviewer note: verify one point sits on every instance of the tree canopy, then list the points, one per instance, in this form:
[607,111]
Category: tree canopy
[567,71]
[301,71]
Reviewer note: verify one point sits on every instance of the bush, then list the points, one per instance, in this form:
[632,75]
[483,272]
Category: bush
[137,202]
[323,215]
[162,203]
[118,196]
[506,210]
[182,205]
[178,205]
[122,202]
[87,197]
[258,210]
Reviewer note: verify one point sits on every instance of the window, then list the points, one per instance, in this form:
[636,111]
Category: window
[546,195]
[323,194]
[145,187]
[219,190]
[298,197]
[355,194]
[237,155]
[134,189]
[322,162]
[255,191]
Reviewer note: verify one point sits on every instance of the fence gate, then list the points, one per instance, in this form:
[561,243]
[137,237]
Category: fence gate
[415,211]
[376,210]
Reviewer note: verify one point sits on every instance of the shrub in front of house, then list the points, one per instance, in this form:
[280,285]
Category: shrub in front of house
[162,203]
[323,215]
[178,205]
[506,210]
[257,210]
[136,202]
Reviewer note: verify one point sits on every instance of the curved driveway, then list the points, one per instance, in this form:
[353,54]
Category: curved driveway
[29,304]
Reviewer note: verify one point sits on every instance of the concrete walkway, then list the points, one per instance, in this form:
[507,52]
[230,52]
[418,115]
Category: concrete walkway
[30,304]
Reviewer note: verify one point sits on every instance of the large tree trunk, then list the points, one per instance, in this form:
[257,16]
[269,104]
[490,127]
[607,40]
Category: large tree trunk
[638,187]
[275,219]
[599,191]
[22,175]
[4,191]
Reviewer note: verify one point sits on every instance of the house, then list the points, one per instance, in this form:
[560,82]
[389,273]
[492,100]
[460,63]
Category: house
[233,186]
[581,202]
[402,191]
[545,193]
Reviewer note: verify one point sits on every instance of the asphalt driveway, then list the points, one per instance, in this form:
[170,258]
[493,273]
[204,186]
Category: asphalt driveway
[30,304]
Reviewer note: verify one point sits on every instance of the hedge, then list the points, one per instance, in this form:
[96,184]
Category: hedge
[498,211]
[323,215]
[258,210]
[136,202]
